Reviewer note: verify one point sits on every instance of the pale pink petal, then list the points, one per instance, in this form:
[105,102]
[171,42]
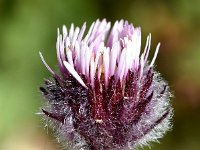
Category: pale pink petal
[81,33]
[64,31]
[113,58]
[69,57]
[120,25]
[141,65]
[87,60]
[155,55]
[97,41]
[98,54]
[61,48]
[100,67]
[106,64]
[148,48]
[82,56]
[77,56]
[75,36]
[67,42]
[94,31]
[92,71]
[71,31]
[102,26]
[120,69]
[113,34]
[89,32]
[48,68]
[129,57]
[58,52]
[73,72]
[138,38]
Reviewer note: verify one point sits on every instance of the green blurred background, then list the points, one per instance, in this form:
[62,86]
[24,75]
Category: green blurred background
[29,26]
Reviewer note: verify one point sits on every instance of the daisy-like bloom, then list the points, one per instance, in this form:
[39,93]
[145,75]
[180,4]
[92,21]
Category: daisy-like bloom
[108,95]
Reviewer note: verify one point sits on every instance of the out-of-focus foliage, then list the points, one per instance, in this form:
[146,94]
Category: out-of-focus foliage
[27,27]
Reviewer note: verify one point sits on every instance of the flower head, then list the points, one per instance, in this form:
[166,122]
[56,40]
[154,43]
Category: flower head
[108,95]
